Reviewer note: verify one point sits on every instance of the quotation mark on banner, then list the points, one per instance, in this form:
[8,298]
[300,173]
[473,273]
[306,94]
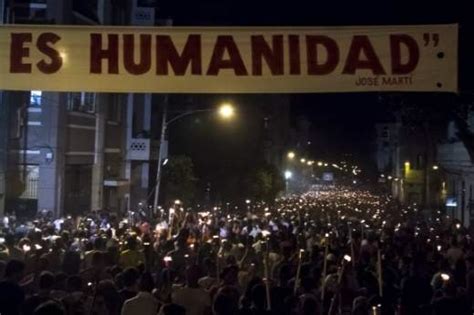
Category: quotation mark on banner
[428,38]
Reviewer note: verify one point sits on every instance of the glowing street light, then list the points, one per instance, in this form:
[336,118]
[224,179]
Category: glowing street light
[303,160]
[320,163]
[291,155]
[226,111]
[435,167]
[288,174]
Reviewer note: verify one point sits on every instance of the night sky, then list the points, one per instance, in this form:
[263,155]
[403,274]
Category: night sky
[344,121]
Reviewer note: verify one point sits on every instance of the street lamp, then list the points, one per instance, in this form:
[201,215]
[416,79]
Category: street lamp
[291,155]
[226,111]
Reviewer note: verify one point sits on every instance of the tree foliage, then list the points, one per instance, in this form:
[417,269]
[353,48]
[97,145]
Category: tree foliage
[264,182]
[431,111]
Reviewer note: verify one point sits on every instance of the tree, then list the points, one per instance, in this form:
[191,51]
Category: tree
[179,181]
[427,110]
[264,182]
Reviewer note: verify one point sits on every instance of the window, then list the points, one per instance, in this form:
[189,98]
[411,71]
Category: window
[35,98]
[81,102]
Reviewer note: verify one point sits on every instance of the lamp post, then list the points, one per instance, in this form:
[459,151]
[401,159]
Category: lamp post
[226,111]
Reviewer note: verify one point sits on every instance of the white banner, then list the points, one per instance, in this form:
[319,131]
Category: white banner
[229,60]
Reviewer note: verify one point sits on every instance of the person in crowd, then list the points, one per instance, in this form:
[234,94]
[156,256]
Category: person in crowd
[323,252]
[12,295]
[130,284]
[12,249]
[144,302]
[195,300]
[131,256]
[46,284]
[50,308]
[75,298]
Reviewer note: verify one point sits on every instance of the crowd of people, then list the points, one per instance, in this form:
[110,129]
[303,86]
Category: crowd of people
[341,251]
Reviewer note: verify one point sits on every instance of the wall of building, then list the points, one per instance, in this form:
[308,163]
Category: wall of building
[458,178]
[405,164]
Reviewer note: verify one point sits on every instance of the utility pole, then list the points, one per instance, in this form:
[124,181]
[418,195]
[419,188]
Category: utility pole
[161,152]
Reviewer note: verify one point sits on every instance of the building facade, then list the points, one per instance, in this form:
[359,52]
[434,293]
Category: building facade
[75,152]
[407,166]
[458,176]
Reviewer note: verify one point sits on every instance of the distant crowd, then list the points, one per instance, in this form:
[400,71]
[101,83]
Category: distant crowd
[341,251]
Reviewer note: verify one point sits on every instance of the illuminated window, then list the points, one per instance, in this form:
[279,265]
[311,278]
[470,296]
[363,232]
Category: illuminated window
[35,98]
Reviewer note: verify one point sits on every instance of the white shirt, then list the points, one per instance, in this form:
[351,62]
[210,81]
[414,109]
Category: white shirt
[144,304]
[194,300]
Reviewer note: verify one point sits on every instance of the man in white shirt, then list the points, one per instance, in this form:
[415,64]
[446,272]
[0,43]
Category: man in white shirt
[194,299]
[144,303]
